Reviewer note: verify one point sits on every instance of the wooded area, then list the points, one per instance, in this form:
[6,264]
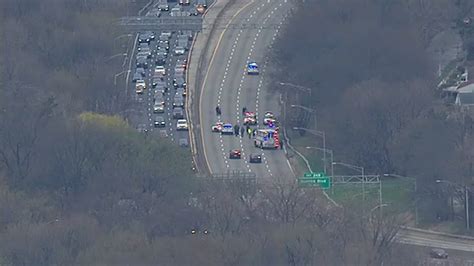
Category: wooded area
[373,86]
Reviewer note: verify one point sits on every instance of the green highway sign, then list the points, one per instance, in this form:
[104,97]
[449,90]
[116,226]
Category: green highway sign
[313,175]
[314,180]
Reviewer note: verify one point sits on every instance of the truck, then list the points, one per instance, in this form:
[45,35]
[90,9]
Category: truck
[267,138]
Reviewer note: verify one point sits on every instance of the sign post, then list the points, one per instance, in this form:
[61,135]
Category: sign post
[314,180]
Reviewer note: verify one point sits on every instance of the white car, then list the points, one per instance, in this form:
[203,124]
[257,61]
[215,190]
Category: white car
[160,70]
[140,86]
[179,51]
[158,108]
[182,124]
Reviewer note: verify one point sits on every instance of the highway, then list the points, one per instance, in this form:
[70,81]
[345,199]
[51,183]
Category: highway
[227,85]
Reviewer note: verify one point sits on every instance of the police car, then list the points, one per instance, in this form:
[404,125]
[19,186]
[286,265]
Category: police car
[252,68]
[227,129]
[250,118]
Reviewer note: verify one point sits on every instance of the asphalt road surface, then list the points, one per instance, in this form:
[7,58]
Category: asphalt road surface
[227,85]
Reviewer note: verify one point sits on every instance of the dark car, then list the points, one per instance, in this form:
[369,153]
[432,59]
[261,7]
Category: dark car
[438,253]
[255,158]
[163,46]
[141,71]
[143,45]
[235,154]
[137,76]
[178,113]
[141,62]
[157,80]
[144,38]
[160,121]
[179,83]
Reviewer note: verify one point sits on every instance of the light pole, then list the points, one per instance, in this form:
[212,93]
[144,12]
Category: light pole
[118,74]
[309,110]
[113,56]
[303,88]
[415,191]
[319,134]
[466,198]
[332,165]
[121,36]
[357,168]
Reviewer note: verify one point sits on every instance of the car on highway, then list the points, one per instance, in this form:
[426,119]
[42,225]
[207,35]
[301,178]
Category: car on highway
[235,154]
[179,82]
[227,129]
[255,158]
[269,121]
[162,46]
[438,253]
[146,51]
[178,103]
[163,7]
[151,34]
[160,60]
[184,2]
[161,53]
[159,92]
[181,91]
[159,121]
[143,45]
[167,33]
[142,62]
[155,12]
[140,86]
[182,124]
[252,68]
[141,71]
[179,51]
[160,70]
[158,107]
[136,76]
[217,127]
[178,113]
[250,118]
[143,54]
[143,38]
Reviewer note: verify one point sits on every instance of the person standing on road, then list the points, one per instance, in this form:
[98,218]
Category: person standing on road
[244,109]
[249,132]
[242,131]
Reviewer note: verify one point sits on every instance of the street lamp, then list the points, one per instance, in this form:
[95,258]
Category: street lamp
[466,197]
[121,36]
[415,191]
[319,134]
[357,168]
[332,160]
[113,56]
[309,110]
[303,88]
[118,74]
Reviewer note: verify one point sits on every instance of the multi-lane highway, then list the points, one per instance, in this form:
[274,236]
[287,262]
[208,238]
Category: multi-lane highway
[227,85]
